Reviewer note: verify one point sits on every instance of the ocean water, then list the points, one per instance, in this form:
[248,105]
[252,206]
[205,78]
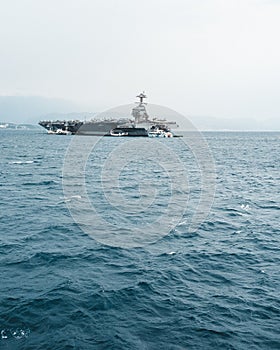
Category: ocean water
[70,280]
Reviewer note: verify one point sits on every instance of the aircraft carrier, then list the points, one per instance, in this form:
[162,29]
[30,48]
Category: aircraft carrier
[106,127]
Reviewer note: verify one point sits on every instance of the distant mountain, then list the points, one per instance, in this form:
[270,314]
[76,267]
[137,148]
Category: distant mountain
[30,109]
[234,124]
[214,123]
[13,126]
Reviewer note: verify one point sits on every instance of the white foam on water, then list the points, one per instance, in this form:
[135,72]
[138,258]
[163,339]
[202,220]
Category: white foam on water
[4,334]
[17,333]
[22,162]
[69,199]
[245,207]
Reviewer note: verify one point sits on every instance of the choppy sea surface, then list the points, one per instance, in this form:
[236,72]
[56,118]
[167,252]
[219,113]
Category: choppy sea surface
[216,287]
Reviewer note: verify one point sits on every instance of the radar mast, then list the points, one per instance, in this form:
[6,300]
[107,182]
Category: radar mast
[142,96]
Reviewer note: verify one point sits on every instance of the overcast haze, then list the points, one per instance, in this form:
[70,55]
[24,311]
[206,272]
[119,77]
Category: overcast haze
[203,58]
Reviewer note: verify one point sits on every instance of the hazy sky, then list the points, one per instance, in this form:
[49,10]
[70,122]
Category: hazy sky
[217,58]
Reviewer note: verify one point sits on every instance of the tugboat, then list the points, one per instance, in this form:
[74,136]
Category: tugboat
[156,131]
[59,132]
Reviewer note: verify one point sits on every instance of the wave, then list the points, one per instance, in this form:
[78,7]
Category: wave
[23,162]
[41,183]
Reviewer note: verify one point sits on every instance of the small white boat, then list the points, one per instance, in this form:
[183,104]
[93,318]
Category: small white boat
[59,132]
[63,132]
[113,132]
[158,132]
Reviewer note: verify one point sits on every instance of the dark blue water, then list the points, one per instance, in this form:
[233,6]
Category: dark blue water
[213,288]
